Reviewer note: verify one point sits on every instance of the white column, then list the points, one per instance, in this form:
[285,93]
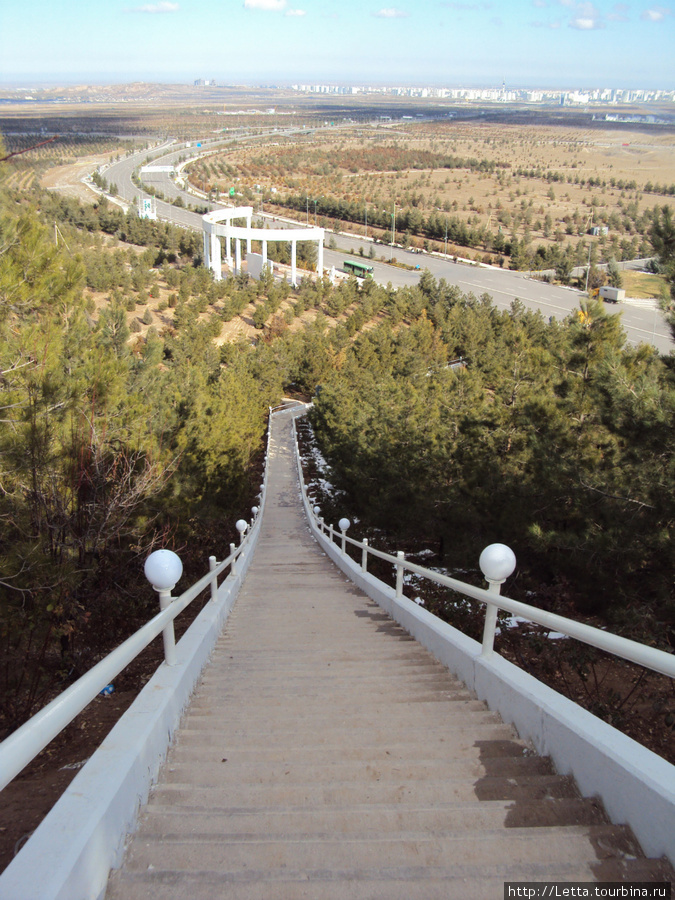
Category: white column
[228,250]
[319,264]
[294,281]
[248,236]
[237,256]
[207,249]
[216,263]
[264,255]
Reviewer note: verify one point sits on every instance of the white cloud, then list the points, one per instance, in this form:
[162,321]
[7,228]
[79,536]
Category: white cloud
[298,13]
[585,16]
[154,8]
[656,14]
[267,5]
[391,13]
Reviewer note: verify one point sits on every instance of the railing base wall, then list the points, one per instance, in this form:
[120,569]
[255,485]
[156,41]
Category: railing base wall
[70,854]
[636,786]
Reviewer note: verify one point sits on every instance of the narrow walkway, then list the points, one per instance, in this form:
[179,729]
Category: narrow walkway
[326,755]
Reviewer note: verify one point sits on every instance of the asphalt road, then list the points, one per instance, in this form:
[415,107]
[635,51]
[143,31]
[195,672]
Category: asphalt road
[642,321]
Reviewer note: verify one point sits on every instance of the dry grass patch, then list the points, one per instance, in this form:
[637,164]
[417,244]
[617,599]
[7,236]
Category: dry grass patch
[643,285]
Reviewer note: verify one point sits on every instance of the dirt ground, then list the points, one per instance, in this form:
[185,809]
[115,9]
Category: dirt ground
[67,179]
[27,799]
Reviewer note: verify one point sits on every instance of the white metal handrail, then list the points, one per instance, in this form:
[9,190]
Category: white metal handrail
[650,657]
[20,747]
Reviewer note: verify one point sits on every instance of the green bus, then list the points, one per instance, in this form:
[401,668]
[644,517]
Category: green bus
[361,270]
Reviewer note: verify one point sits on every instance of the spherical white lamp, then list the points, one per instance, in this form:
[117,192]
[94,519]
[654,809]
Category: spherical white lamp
[344,524]
[163,569]
[497,562]
[317,511]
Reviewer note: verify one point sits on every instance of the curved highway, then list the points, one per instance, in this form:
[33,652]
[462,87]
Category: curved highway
[642,322]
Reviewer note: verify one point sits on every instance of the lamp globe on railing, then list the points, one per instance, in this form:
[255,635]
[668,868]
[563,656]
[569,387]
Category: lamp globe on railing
[344,525]
[163,570]
[241,525]
[319,520]
[497,562]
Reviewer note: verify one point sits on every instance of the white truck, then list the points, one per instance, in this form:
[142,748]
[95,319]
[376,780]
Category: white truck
[612,294]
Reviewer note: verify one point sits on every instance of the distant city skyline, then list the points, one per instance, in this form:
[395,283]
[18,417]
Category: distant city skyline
[524,43]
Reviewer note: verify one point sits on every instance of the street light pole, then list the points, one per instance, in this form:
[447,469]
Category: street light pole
[393,232]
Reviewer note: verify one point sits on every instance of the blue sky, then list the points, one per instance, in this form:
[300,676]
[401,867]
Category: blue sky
[556,43]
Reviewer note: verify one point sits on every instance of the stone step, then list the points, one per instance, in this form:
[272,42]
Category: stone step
[253,759]
[347,657]
[173,820]
[449,790]
[363,851]
[268,729]
[476,739]
[217,769]
[398,712]
[462,882]
[332,700]
[505,755]
[336,684]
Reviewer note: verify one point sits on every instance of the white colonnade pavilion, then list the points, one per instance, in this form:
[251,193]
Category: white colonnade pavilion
[218,224]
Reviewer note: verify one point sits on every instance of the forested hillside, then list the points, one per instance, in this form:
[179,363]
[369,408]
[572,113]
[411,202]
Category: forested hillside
[109,444]
[133,419]
[553,437]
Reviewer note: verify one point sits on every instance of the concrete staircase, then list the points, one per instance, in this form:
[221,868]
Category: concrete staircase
[327,755]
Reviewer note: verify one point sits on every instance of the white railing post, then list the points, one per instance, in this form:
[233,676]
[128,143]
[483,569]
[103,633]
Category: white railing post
[400,555]
[168,635]
[233,564]
[344,525]
[490,625]
[364,556]
[214,581]
[497,562]
[163,569]
[330,533]
[322,525]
